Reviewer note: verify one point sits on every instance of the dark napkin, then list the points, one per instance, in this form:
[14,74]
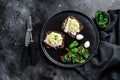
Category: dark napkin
[108,54]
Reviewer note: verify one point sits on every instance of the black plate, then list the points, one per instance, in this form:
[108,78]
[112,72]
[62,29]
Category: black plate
[55,22]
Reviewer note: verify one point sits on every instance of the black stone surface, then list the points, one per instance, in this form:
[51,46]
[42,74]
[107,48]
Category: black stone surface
[13,14]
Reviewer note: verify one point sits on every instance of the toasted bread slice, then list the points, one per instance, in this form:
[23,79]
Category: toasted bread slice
[49,36]
[66,25]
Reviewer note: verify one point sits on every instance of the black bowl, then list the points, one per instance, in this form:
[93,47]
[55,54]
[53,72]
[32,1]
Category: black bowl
[108,23]
[90,33]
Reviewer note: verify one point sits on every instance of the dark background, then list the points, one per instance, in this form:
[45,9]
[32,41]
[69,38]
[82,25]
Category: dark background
[13,14]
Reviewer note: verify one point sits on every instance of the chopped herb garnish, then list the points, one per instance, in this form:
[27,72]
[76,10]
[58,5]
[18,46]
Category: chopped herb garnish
[56,37]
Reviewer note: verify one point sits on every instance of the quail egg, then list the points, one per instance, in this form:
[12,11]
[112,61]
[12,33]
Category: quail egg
[79,37]
[87,44]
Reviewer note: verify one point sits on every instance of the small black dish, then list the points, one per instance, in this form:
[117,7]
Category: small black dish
[108,23]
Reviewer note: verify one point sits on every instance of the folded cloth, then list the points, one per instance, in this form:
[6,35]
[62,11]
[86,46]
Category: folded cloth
[108,53]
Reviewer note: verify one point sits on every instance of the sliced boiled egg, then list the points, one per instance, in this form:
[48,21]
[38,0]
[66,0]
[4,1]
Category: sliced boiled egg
[72,26]
[54,39]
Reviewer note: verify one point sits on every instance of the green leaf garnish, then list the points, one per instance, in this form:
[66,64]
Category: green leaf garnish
[102,18]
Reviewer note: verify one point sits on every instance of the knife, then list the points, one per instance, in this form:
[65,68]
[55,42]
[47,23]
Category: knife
[28,37]
[26,58]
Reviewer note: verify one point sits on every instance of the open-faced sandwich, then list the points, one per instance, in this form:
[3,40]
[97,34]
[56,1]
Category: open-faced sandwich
[72,26]
[54,39]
